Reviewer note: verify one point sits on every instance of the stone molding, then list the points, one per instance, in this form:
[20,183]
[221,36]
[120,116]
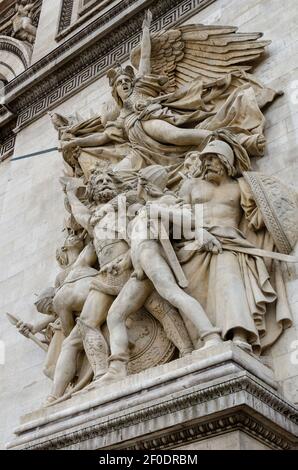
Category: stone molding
[65,15]
[65,26]
[239,416]
[200,395]
[237,421]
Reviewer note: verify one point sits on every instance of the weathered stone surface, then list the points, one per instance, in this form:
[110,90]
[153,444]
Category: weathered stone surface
[31,206]
[216,390]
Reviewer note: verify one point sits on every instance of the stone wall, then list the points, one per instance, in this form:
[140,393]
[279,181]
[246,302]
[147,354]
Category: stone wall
[32,210]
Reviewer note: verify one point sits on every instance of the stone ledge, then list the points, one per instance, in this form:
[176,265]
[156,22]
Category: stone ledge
[206,393]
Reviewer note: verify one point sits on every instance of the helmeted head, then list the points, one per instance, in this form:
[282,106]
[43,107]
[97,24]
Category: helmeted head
[122,81]
[44,303]
[155,174]
[72,242]
[217,159]
[153,179]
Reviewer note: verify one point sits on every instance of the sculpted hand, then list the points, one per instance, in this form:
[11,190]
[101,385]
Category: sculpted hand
[25,328]
[208,242]
[124,263]
[69,145]
[117,266]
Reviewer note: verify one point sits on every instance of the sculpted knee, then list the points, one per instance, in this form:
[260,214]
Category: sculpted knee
[114,317]
[69,343]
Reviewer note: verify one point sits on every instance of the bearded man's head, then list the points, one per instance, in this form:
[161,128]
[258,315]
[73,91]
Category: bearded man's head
[102,186]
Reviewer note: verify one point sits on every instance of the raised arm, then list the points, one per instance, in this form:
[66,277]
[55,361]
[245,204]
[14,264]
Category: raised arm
[145,60]
[80,212]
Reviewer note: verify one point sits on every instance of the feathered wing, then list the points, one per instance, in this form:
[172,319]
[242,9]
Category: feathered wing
[209,52]
[167,50]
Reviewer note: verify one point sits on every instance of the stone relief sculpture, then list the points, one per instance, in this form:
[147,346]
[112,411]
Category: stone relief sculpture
[22,25]
[212,90]
[181,130]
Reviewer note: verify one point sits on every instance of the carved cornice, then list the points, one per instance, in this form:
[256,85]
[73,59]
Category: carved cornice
[239,416]
[30,100]
[65,15]
[66,27]
[237,421]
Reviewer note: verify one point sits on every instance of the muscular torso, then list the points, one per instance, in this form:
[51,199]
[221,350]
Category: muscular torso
[221,203]
[107,241]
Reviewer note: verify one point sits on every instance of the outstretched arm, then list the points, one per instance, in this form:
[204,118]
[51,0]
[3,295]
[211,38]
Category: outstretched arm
[145,61]
[26,328]
[94,140]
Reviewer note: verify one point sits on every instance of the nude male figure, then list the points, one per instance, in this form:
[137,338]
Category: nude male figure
[152,271]
[113,256]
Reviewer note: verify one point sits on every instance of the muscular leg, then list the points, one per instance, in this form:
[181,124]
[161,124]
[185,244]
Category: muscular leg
[93,315]
[96,308]
[165,283]
[167,133]
[65,314]
[131,298]
[66,364]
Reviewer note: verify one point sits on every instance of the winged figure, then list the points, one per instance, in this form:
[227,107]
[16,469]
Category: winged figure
[190,83]
[208,52]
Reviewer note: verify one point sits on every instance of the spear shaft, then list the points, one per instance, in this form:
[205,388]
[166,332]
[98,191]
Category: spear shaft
[14,320]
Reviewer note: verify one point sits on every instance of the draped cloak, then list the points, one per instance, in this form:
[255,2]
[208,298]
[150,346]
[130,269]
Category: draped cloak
[232,103]
[238,290]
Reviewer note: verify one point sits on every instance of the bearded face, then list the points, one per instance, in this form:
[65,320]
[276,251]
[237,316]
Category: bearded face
[101,188]
[213,169]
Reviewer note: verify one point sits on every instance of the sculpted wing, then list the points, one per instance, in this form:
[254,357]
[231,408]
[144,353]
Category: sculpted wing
[209,52]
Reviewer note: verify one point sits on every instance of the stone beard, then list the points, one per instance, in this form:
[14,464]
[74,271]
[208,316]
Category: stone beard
[101,189]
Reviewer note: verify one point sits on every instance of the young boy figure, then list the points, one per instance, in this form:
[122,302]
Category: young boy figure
[152,271]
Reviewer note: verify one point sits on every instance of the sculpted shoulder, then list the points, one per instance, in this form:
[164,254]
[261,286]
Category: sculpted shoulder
[192,184]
